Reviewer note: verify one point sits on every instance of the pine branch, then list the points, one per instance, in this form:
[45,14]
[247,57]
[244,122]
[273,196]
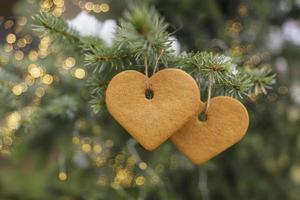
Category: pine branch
[97,90]
[228,79]
[143,34]
[97,54]
[237,86]
[49,25]
[262,79]
[202,65]
[103,59]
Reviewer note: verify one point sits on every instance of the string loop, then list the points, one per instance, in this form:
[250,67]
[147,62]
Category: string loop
[154,69]
[209,88]
[157,60]
[146,72]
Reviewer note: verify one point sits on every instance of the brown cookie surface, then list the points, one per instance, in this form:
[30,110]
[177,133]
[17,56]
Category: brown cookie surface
[152,121]
[226,124]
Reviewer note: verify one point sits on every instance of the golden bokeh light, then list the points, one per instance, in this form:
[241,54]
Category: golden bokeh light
[89,6]
[17,90]
[80,73]
[35,71]
[47,79]
[19,55]
[97,148]
[140,180]
[11,38]
[69,63]
[13,120]
[123,177]
[142,165]
[40,92]
[21,42]
[104,7]
[97,8]
[86,148]
[8,24]
[62,176]
[22,21]
[33,55]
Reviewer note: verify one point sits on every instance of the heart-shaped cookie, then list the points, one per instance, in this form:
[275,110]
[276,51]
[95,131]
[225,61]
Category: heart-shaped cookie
[152,121]
[227,122]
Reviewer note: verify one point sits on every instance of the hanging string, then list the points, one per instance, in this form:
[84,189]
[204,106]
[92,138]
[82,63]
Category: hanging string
[157,61]
[149,93]
[146,66]
[155,66]
[209,88]
[146,72]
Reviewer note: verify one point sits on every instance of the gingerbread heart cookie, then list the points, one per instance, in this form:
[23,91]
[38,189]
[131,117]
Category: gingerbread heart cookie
[227,122]
[152,114]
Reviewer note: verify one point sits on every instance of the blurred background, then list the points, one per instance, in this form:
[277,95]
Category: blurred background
[53,146]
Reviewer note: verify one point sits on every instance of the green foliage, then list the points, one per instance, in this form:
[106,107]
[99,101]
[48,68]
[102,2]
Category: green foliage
[47,24]
[236,85]
[262,79]
[64,114]
[144,33]
[142,37]
[205,64]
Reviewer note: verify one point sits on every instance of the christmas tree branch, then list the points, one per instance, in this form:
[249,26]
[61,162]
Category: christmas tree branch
[58,29]
[143,33]
[262,79]
[228,79]
[108,58]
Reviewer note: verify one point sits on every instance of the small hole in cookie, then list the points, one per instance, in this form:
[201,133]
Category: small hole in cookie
[149,94]
[202,116]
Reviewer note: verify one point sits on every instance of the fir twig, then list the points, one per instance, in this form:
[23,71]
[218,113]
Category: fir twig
[47,24]
[262,79]
[143,33]
[227,77]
